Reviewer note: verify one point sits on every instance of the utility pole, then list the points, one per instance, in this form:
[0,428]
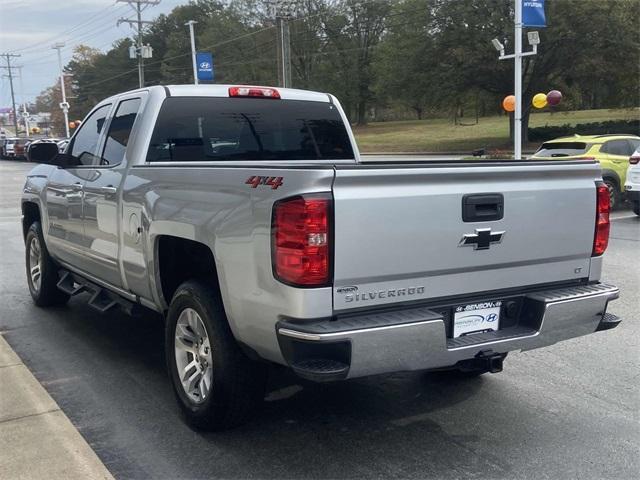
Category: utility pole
[8,57]
[284,10]
[64,105]
[142,52]
[191,23]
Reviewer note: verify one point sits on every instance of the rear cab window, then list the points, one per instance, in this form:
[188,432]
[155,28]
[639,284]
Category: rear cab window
[195,129]
[561,149]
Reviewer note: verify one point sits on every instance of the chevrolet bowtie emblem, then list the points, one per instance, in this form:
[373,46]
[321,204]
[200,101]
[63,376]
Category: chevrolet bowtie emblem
[482,239]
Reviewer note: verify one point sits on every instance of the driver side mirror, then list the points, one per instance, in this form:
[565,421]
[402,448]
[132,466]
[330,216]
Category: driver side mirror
[47,153]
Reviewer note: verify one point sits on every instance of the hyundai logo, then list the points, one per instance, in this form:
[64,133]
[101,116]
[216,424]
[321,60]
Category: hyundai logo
[205,66]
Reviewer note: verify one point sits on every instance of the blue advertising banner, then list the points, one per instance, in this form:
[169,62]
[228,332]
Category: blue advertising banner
[533,13]
[204,63]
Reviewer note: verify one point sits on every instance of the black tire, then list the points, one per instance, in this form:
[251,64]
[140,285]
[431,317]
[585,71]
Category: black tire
[44,291]
[237,383]
[615,195]
[636,207]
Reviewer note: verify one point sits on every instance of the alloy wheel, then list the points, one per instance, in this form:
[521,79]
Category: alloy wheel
[193,356]
[35,263]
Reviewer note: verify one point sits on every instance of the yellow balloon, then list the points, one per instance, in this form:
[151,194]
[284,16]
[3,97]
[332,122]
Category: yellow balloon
[539,100]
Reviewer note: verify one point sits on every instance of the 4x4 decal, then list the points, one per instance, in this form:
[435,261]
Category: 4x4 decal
[273,182]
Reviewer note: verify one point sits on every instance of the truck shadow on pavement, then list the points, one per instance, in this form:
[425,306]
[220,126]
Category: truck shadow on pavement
[107,373]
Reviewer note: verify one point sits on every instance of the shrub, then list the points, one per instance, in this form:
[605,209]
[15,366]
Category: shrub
[542,134]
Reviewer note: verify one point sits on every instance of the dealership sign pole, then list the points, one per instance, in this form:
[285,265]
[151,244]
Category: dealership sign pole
[528,13]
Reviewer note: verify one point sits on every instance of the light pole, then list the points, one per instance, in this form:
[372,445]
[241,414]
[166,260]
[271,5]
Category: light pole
[191,23]
[64,105]
[534,40]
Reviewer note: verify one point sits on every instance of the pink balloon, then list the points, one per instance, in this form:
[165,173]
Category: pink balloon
[554,97]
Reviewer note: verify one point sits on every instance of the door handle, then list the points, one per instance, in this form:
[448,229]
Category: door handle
[76,186]
[109,190]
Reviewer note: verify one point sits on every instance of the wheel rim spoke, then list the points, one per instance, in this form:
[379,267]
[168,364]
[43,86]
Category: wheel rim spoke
[193,356]
[34,263]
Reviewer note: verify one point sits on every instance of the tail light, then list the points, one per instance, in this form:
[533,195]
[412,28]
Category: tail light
[301,240]
[261,92]
[634,160]
[603,207]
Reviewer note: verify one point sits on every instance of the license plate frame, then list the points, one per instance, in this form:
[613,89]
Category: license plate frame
[474,318]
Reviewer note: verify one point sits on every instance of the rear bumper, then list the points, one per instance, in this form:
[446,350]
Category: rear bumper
[415,338]
[633,195]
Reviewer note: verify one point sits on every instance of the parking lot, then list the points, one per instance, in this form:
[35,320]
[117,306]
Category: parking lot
[566,411]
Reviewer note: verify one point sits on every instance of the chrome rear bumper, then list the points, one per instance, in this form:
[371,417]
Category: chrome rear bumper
[416,339]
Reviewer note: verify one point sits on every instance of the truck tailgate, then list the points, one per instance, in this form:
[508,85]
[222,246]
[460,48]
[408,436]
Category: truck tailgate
[400,234]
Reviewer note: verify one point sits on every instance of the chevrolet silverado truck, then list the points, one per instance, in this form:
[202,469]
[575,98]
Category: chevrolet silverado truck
[248,219]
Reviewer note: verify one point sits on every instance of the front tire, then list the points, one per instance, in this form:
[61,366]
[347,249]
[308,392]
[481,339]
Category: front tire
[217,386]
[42,275]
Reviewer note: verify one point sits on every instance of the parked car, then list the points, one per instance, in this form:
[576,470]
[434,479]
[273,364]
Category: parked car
[247,218]
[612,151]
[62,144]
[8,147]
[632,185]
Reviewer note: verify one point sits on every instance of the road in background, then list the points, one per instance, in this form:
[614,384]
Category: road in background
[565,411]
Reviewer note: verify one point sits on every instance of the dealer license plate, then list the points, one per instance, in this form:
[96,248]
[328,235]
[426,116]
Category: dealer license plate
[476,318]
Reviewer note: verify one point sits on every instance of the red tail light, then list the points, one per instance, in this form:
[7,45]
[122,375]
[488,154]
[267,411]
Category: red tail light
[301,243]
[634,160]
[262,92]
[603,207]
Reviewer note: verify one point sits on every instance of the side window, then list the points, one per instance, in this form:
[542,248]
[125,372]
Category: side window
[617,147]
[635,145]
[119,132]
[85,142]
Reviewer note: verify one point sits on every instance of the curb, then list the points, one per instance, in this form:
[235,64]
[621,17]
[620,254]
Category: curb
[37,440]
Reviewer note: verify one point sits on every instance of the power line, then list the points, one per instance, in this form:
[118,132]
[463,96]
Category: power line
[91,19]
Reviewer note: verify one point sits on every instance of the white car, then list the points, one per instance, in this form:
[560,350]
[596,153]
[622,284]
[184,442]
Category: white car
[632,185]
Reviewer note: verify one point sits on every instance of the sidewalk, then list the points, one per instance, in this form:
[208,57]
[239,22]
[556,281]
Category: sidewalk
[37,440]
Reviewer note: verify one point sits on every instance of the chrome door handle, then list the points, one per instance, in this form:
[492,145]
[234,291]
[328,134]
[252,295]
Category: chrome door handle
[109,190]
[76,186]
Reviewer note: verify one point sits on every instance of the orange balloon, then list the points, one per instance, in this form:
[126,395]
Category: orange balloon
[509,103]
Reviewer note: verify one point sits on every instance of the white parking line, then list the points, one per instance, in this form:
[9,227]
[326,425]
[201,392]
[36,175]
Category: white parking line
[623,216]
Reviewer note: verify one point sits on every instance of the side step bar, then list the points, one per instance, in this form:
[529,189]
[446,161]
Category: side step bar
[101,299]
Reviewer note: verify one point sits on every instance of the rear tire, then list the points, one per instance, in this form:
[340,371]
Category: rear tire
[42,274]
[614,192]
[217,386]
[636,208]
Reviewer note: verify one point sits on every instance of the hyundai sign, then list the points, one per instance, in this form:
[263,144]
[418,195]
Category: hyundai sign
[533,13]
[204,62]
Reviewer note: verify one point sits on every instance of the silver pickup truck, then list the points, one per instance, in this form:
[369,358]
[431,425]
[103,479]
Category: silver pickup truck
[247,217]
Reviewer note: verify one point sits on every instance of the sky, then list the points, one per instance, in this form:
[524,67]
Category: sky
[31,27]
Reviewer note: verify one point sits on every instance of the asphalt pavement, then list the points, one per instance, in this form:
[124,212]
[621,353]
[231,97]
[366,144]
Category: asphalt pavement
[566,411]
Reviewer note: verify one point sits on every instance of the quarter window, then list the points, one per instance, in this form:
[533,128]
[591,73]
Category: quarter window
[617,147]
[119,132]
[85,143]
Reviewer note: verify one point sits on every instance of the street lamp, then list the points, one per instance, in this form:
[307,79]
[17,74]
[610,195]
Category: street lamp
[534,41]
[64,105]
